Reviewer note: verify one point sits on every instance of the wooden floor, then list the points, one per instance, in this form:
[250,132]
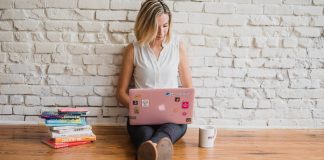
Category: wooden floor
[23,142]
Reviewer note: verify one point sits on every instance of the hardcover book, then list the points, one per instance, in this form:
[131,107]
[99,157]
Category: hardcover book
[75,138]
[76,133]
[52,143]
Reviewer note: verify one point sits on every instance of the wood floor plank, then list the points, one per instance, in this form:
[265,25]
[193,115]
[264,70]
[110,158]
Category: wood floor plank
[23,143]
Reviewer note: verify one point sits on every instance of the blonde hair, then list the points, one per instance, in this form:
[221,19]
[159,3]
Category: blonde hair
[146,25]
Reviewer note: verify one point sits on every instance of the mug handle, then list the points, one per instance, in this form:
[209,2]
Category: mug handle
[215,133]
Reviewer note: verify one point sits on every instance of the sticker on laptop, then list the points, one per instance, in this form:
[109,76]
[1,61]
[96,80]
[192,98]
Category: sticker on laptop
[188,120]
[185,105]
[138,96]
[177,99]
[184,113]
[135,102]
[169,94]
[136,110]
[145,103]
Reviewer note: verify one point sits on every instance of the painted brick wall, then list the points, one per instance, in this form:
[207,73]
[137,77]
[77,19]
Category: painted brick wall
[255,63]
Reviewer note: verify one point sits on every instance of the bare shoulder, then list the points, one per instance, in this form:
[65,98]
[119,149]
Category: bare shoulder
[182,48]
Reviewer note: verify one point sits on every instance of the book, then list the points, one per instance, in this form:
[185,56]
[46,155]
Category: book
[56,115]
[52,143]
[52,123]
[67,129]
[61,120]
[73,111]
[75,138]
[76,133]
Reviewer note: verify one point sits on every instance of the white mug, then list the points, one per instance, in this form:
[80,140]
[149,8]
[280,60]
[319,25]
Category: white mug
[207,136]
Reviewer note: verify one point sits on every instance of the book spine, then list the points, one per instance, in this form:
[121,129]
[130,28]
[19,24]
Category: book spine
[74,139]
[71,130]
[75,134]
[49,121]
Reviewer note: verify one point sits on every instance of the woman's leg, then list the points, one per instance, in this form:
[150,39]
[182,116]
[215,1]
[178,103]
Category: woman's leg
[170,130]
[139,133]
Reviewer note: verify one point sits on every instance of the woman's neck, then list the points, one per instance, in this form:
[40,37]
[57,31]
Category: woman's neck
[156,44]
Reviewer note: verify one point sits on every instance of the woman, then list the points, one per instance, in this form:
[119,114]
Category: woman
[155,61]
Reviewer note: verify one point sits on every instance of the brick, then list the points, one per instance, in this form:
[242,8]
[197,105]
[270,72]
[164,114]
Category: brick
[247,31]
[294,21]
[236,1]
[21,68]
[121,26]
[298,2]
[280,63]
[45,48]
[264,104]
[110,101]
[6,25]
[224,122]
[95,101]
[204,103]
[246,83]
[109,49]
[237,114]
[3,99]
[54,36]
[304,83]
[261,73]
[297,73]
[188,6]
[219,8]
[317,74]
[11,79]
[267,1]
[308,11]
[6,36]
[206,112]
[78,49]
[98,80]
[315,53]
[244,42]
[32,100]
[79,101]
[263,20]
[115,111]
[125,4]
[290,42]
[112,15]
[6,4]
[232,20]
[234,103]
[17,47]
[5,109]
[202,52]
[104,91]
[107,70]
[230,92]
[14,14]
[56,69]
[197,40]
[250,103]
[61,26]
[201,18]
[204,71]
[23,36]
[274,84]
[283,53]
[91,26]
[300,93]
[219,82]
[95,4]
[16,99]
[320,104]
[69,14]
[205,92]
[29,4]
[79,90]
[249,9]
[301,103]
[61,3]
[232,73]
[308,31]
[318,2]
[62,58]
[278,10]
[27,25]
[315,21]
[217,31]
[182,17]
[223,62]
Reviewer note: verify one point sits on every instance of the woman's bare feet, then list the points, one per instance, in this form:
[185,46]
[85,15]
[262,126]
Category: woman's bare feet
[164,149]
[147,151]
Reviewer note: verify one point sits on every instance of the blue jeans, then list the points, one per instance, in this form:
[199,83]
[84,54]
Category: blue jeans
[142,133]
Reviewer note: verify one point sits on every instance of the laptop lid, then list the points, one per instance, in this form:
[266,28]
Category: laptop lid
[159,106]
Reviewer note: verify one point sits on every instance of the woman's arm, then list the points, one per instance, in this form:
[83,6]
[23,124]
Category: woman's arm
[184,70]
[125,75]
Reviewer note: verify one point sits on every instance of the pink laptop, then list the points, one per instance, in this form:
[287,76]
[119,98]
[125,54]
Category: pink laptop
[158,106]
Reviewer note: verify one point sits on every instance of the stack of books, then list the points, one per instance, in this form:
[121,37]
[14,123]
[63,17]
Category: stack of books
[68,127]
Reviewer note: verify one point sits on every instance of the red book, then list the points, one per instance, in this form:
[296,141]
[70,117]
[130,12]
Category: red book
[52,143]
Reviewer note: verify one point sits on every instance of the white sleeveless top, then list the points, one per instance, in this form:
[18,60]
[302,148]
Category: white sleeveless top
[153,72]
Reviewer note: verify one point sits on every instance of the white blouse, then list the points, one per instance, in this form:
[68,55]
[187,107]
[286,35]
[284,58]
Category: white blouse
[153,72]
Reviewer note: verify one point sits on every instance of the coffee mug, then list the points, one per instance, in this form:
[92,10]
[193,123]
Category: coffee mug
[207,136]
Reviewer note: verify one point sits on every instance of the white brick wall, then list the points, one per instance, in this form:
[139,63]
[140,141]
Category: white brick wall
[255,63]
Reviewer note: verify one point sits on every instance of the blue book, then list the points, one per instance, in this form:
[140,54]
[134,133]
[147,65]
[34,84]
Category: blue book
[50,123]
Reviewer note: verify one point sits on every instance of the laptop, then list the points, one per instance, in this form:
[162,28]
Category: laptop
[159,106]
